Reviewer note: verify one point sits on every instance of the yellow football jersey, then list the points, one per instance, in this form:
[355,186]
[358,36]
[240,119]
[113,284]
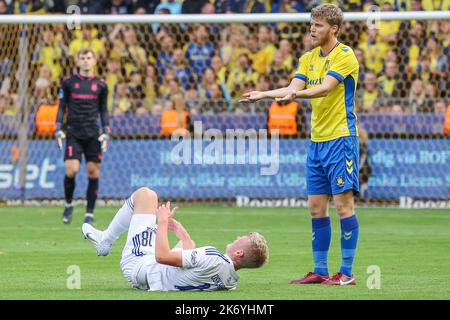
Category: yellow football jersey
[332,116]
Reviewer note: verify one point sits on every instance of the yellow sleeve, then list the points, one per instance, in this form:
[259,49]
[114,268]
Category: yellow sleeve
[302,68]
[344,64]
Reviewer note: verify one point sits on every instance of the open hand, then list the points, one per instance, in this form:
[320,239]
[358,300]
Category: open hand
[252,96]
[164,212]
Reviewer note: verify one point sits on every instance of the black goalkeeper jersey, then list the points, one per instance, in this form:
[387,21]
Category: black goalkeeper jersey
[84,99]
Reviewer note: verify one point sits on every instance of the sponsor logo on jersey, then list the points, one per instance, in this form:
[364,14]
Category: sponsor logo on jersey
[345,49]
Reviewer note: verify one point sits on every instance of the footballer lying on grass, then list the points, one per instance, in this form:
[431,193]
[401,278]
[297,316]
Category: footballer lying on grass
[147,261]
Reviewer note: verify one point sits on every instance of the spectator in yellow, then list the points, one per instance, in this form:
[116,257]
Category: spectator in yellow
[112,78]
[87,38]
[219,69]
[374,51]
[278,71]
[234,45]
[244,73]
[266,50]
[433,5]
[134,56]
[8,105]
[413,45]
[416,100]
[359,53]
[151,85]
[51,53]
[389,82]
[370,96]
[289,61]
[388,29]
[122,103]
[439,62]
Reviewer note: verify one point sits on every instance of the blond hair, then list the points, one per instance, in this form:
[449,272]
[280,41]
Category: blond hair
[258,251]
[330,12]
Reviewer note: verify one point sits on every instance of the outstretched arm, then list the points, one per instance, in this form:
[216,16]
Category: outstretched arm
[295,85]
[319,91]
[163,254]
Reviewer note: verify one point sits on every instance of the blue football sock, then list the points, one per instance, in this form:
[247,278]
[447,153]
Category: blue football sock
[321,239]
[349,241]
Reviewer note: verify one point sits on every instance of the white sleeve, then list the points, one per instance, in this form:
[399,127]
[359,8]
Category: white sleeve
[191,258]
[198,257]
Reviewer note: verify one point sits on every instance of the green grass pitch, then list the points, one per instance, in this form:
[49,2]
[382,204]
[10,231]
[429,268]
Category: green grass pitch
[411,248]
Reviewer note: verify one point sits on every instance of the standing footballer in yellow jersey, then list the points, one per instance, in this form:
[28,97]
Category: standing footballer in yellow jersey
[328,76]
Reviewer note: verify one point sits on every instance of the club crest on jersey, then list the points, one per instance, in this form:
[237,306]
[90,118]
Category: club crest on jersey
[339,181]
[76,85]
[94,87]
[327,65]
[194,257]
[311,67]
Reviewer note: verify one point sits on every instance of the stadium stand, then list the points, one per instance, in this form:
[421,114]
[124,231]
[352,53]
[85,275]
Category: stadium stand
[404,67]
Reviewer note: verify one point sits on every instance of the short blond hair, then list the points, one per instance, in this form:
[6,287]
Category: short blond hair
[258,252]
[330,12]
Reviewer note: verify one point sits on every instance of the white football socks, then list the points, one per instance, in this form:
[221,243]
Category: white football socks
[119,224]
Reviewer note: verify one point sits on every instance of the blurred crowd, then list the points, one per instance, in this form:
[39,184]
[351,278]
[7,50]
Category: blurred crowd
[205,68]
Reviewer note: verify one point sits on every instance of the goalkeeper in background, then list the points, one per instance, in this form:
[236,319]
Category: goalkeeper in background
[328,76]
[84,98]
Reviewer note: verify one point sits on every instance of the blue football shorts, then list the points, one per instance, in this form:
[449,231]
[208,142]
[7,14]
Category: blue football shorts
[333,166]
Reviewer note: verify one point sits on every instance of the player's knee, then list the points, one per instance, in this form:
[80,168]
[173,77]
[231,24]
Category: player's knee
[318,210]
[146,197]
[344,210]
[93,174]
[71,172]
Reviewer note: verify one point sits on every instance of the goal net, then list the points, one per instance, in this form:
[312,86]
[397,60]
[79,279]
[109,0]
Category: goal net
[201,69]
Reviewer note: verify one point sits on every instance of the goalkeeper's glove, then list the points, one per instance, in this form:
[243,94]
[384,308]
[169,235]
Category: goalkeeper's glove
[59,136]
[104,139]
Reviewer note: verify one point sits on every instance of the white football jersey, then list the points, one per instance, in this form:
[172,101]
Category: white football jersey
[204,268]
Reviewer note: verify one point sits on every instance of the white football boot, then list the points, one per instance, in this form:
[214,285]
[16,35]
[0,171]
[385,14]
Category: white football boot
[95,236]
